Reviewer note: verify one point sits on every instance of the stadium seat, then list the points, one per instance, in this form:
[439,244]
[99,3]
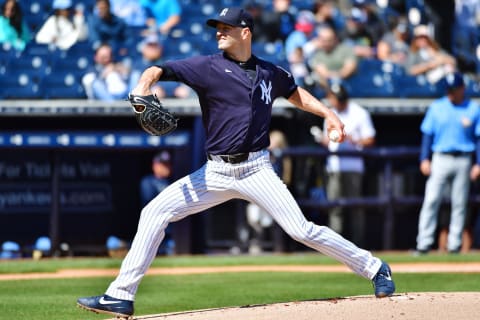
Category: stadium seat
[35,67]
[20,86]
[178,48]
[81,48]
[45,51]
[472,87]
[416,87]
[375,78]
[36,13]
[270,51]
[6,55]
[374,84]
[63,86]
[416,12]
[75,65]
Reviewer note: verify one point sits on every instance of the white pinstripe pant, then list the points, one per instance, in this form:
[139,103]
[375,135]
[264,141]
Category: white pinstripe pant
[216,182]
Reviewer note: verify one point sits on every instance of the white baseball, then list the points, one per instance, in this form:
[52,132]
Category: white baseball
[334,135]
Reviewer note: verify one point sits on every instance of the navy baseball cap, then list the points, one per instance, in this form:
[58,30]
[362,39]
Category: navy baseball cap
[236,17]
[453,81]
[162,157]
[339,91]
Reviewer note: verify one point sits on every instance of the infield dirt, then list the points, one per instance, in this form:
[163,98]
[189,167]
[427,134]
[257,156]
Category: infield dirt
[407,306]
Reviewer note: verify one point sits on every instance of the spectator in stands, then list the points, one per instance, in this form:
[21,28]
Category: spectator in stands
[130,11]
[332,61]
[108,80]
[152,49]
[374,25]
[277,23]
[152,184]
[357,36]
[326,13]
[304,31]
[260,32]
[164,14]
[394,45]
[427,58]
[64,28]
[450,134]
[105,27]
[345,173]
[14,30]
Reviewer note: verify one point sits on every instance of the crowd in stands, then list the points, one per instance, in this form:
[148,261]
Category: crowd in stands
[95,48]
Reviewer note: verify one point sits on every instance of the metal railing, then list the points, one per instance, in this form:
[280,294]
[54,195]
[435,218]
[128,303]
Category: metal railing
[388,200]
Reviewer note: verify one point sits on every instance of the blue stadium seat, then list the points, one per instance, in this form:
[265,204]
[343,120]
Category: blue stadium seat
[416,87]
[36,67]
[19,86]
[232,3]
[416,10]
[71,64]
[36,13]
[375,78]
[81,49]
[198,10]
[63,86]
[370,85]
[302,4]
[178,48]
[472,88]
[270,51]
[43,50]
[7,55]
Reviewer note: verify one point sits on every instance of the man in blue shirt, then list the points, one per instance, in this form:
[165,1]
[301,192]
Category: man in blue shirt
[236,91]
[164,14]
[105,27]
[451,131]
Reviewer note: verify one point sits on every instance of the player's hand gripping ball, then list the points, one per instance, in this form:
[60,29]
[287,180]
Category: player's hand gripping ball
[334,135]
[151,115]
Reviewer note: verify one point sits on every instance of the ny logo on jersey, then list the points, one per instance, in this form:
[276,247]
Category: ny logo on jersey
[224,12]
[266,91]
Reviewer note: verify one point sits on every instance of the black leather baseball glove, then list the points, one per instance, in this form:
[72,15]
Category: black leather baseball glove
[151,115]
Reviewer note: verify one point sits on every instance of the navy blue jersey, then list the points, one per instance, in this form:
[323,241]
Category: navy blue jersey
[236,111]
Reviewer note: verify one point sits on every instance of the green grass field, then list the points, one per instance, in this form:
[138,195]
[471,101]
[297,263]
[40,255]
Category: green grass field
[55,299]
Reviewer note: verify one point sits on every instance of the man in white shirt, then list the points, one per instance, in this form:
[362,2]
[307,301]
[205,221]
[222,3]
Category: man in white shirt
[345,173]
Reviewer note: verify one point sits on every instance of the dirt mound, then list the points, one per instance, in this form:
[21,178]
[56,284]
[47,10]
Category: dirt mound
[411,306]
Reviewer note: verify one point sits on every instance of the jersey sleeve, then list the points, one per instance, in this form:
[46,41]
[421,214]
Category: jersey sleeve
[427,126]
[285,83]
[367,129]
[191,71]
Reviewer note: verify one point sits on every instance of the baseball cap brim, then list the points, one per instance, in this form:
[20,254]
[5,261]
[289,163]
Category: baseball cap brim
[213,23]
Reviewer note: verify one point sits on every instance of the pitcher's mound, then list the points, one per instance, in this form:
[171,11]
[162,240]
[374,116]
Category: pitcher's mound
[418,305]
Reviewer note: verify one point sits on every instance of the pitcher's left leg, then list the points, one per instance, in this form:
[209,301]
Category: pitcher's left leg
[267,190]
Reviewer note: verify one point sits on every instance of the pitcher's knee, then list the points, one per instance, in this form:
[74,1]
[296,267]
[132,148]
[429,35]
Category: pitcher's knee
[299,236]
[150,212]
[306,232]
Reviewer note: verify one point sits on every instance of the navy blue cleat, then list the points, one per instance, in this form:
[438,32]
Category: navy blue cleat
[383,282]
[106,304]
